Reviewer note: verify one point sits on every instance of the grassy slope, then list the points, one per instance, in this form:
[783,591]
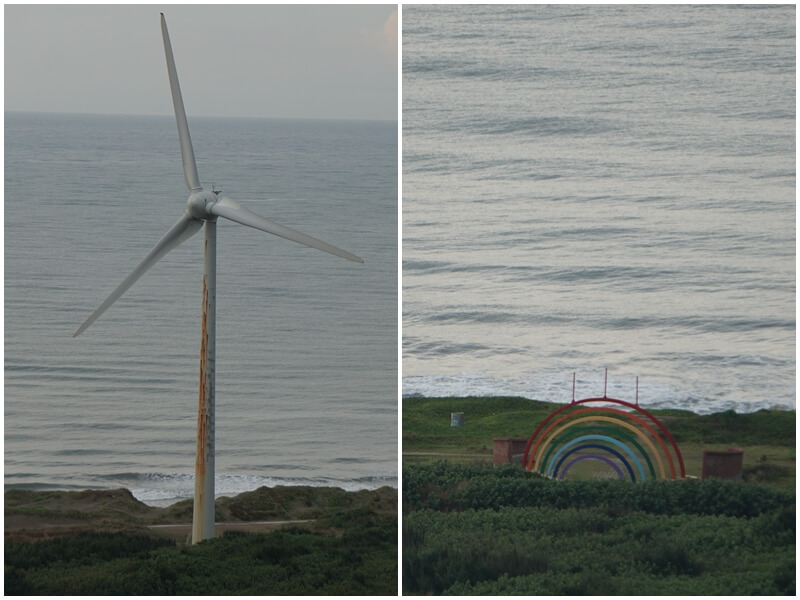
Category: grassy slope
[36,514]
[767,437]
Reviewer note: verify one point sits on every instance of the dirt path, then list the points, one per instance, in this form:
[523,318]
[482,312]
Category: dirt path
[184,530]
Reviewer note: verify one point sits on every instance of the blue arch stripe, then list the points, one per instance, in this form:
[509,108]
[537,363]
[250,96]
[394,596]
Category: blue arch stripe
[596,437]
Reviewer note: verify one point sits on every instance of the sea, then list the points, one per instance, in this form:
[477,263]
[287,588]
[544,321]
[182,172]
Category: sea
[307,351]
[600,192]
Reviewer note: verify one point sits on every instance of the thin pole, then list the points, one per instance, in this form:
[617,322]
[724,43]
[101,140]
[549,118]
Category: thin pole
[203,517]
[605,390]
[573,386]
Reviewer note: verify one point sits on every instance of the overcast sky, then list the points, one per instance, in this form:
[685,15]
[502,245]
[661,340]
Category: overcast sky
[323,61]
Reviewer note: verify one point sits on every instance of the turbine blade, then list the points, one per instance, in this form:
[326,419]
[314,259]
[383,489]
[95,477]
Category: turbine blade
[187,154]
[232,210]
[185,228]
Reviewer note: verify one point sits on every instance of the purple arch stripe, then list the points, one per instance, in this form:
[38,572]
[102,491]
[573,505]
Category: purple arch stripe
[605,459]
[599,447]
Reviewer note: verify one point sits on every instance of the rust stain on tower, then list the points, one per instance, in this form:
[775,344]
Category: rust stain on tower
[202,406]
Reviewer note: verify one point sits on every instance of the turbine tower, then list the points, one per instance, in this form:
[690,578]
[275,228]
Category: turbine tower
[203,208]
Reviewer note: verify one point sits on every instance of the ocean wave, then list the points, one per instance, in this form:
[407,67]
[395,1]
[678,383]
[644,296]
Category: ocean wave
[163,489]
[556,387]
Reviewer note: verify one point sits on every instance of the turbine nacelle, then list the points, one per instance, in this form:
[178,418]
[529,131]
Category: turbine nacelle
[200,203]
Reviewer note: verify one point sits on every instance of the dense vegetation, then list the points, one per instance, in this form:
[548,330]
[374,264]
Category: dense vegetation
[350,549]
[445,486]
[289,561]
[471,529]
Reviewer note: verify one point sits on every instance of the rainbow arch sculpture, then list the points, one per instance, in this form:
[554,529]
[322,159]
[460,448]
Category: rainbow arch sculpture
[633,442]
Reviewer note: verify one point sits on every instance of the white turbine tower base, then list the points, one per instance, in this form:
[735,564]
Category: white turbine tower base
[203,208]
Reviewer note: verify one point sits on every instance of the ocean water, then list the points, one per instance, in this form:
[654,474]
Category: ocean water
[592,187]
[306,342]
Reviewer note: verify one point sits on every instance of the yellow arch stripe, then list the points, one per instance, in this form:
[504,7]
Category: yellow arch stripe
[613,411]
[638,433]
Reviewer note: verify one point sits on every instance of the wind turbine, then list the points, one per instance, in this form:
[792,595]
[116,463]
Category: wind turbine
[203,208]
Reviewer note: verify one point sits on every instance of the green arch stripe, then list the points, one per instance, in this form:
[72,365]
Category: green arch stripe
[617,431]
[596,437]
[595,415]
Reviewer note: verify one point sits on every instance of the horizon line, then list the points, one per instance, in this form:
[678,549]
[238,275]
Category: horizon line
[283,118]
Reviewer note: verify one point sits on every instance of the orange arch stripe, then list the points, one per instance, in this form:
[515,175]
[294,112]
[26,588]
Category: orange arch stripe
[628,426]
[634,418]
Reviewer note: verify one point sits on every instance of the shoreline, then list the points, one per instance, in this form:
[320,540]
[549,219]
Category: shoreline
[168,501]
[651,399]
[652,407]
[42,514]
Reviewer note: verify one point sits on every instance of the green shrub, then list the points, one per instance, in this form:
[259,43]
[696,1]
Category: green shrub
[470,530]
[363,560]
[444,486]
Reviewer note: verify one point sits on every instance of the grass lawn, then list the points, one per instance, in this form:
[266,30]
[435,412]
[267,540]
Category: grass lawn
[767,437]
